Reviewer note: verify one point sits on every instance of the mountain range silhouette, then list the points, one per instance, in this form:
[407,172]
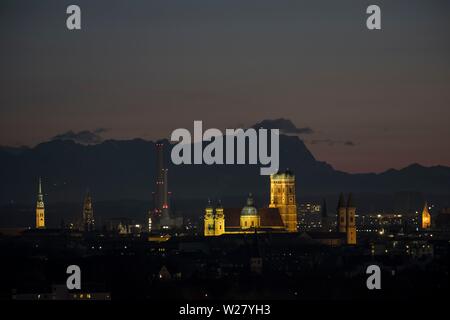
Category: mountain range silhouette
[125,169]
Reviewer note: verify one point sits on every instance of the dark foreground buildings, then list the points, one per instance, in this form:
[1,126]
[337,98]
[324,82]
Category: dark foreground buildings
[232,266]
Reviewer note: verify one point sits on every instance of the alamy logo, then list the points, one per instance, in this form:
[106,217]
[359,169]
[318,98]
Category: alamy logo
[74,280]
[374,280]
[235,140]
[73,22]
[374,20]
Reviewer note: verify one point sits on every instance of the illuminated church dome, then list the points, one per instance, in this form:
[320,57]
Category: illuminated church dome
[249,209]
[249,215]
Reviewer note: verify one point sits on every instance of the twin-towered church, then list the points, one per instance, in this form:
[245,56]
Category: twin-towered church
[281,215]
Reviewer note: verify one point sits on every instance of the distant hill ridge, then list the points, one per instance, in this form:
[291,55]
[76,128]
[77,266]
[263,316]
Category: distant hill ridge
[124,169]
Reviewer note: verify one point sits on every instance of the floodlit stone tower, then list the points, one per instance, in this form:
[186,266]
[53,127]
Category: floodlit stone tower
[351,221]
[40,210]
[426,217]
[219,221]
[346,215]
[282,196]
[341,215]
[209,220]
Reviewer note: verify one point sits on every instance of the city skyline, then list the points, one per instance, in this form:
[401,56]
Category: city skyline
[227,157]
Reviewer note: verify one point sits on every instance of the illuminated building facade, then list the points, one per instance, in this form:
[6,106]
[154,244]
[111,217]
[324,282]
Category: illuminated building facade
[280,216]
[351,221]
[219,220]
[209,229]
[214,220]
[346,215]
[88,213]
[40,210]
[282,197]
[249,215]
[342,215]
[426,217]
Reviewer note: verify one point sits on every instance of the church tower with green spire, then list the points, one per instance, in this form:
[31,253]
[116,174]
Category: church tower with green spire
[40,210]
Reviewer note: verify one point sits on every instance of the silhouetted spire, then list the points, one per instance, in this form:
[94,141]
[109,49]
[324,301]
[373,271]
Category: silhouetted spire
[250,199]
[341,202]
[40,196]
[40,187]
[350,203]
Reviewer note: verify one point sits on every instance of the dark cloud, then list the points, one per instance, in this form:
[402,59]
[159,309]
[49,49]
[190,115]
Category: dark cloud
[100,130]
[349,143]
[83,137]
[286,126]
[332,143]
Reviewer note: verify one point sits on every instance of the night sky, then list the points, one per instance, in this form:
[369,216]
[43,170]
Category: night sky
[373,99]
